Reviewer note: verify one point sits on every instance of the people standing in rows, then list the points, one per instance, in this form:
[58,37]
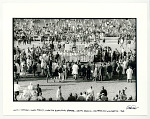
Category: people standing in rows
[105,54]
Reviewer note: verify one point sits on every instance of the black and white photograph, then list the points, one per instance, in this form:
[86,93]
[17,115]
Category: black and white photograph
[74,59]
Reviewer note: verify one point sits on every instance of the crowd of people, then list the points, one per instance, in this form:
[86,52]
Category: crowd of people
[34,93]
[44,63]
[71,30]
[92,61]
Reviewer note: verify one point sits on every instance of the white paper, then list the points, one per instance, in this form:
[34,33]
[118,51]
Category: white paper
[75,10]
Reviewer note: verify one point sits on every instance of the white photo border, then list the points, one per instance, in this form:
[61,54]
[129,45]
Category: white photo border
[126,10]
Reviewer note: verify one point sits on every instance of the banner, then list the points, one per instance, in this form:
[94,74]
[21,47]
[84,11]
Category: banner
[79,47]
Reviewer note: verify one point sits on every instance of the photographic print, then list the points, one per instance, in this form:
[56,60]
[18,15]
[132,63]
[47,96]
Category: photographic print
[74,59]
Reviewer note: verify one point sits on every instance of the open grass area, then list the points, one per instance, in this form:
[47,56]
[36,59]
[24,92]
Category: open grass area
[71,86]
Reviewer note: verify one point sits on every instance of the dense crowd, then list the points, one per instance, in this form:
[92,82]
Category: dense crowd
[72,30]
[93,62]
[43,60]
[39,62]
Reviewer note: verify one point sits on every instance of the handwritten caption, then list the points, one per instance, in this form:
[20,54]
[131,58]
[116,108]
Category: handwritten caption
[69,110]
[129,107]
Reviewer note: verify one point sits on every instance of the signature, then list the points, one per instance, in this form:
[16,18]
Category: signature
[132,107]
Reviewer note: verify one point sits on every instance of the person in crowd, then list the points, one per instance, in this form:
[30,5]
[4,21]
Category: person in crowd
[50,62]
[125,65]
[103,91]
[15,71]
[81,98]
[23,68]
[25,96]
[16,90]
[18,71]
[39,90]
[50,99]
[29,64]
[84,70]
[34,67]
[130,98]
[76,96]
[88,75]
[75,70]
[119,71]
[79,69]
[105,71]
[122,95]
[104,97]
[114,67]
[95,73]
[59,94]
[109,71]
[60,72]
[30,87]
[116,98]
[56,73]
[41,98]
[90,92]
[48,75]
[89,97]
[65,71]
[101,72]
[57,57]
[34,96]
[71,97]
[85,95]
[39,68]
[98,97]
[59,46]
[43,66]
[129,73]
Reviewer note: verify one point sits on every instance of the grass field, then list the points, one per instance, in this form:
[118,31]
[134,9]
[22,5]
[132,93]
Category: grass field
[71,86]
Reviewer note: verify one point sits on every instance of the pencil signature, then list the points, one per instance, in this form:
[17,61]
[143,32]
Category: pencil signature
[132,107]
